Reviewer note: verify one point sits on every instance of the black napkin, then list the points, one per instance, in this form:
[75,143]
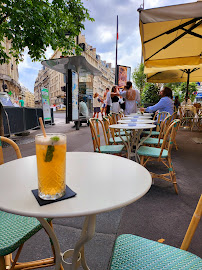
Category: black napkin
[68,194]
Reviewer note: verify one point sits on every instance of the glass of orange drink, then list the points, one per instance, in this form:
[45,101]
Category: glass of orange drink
[51,165]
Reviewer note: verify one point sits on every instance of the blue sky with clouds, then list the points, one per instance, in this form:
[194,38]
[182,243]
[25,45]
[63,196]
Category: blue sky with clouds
[101,34]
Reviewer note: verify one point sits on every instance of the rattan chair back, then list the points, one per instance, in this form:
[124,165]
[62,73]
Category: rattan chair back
[169,137]
[13,144]
[96,127]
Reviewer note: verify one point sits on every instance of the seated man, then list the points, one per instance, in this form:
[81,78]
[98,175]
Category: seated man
[83,113]
[83,109]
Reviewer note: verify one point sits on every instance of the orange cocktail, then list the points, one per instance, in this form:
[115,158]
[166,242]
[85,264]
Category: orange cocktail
[51,165]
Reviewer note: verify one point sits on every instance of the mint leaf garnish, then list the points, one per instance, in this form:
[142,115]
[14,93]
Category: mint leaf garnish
[55,138]
[49,153]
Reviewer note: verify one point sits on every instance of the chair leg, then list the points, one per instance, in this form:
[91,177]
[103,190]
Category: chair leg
[141,160]
[172,175]
[2,263]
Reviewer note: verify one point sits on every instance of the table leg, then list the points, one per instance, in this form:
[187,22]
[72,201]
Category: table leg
[140,143]
[49,230]
[87,233]
[77,253]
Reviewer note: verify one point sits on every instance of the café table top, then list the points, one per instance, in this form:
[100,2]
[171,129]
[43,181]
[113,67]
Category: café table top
[136,117]
[140,114]
[133,125]
[102,183]
[138,121]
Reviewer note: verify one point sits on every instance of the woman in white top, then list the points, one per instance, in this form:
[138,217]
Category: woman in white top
[96,105]
[132,97]
[115,100]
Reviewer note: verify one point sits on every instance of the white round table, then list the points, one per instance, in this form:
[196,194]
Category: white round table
[137,117]
[97,191]
[140,114]
[136,129]
[138,121]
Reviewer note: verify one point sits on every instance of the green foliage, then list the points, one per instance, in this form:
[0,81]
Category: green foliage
[139,78]
[179,89]
[37,24]
[150,93]
[191,90]
[173,86]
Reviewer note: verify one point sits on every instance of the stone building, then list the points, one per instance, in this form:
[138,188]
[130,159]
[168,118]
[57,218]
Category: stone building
[28,97]
[88,84]
[9,76]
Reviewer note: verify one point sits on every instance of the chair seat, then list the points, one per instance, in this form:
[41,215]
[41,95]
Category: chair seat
[134,252]
[151,152]
[111,149]
[118,139]
[152,141]
[153,133]
[15,230]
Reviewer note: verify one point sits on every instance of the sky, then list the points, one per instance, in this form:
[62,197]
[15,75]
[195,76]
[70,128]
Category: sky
[101,34]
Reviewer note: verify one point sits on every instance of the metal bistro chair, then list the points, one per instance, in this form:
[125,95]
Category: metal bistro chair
[96,125]
[135,252]
[15,230]
[162,154]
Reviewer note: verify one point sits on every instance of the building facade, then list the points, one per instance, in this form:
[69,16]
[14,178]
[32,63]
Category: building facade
[28,97]
[9,76]
[88,84]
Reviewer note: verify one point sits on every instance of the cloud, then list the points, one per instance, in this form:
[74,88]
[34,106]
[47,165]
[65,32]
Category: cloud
[101,34]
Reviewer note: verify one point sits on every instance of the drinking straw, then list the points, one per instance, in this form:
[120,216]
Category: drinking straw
[42,126]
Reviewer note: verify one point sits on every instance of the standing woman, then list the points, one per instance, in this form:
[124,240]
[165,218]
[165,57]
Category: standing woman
[132,97]
[96,105]
[115,100]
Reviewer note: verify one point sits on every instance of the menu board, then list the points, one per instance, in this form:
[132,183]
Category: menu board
[124,73]
[75,95]
[46,104]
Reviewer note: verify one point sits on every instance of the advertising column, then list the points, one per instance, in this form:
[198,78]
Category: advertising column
[46,104]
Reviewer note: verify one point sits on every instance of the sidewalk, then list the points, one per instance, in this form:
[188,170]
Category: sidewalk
[159,214]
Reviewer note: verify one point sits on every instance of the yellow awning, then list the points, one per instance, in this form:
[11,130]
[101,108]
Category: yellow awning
[175,76]
[172,37]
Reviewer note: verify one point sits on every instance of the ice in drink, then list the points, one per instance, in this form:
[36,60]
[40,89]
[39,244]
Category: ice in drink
[51,165]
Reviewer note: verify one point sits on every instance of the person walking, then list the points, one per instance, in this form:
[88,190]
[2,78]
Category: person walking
[132,97]
[108,101]
[96,105]
[104,104]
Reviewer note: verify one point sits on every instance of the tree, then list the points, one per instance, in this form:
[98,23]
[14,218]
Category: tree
[139,78]
[192,90]
[37,24]
[150,94]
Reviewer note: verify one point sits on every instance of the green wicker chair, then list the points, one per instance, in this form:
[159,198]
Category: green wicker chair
[159,116]
[113,139]
[163,154]
[96,125]
[135,253]
[15,230]
[157,142]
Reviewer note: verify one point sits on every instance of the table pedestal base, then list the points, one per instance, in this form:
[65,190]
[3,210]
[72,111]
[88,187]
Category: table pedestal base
[77,254]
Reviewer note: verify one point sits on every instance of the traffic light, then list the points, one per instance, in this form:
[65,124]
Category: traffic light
[65,101]
[63,88]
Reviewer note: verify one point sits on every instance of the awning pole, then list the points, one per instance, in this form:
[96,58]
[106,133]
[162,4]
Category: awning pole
[188,75]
